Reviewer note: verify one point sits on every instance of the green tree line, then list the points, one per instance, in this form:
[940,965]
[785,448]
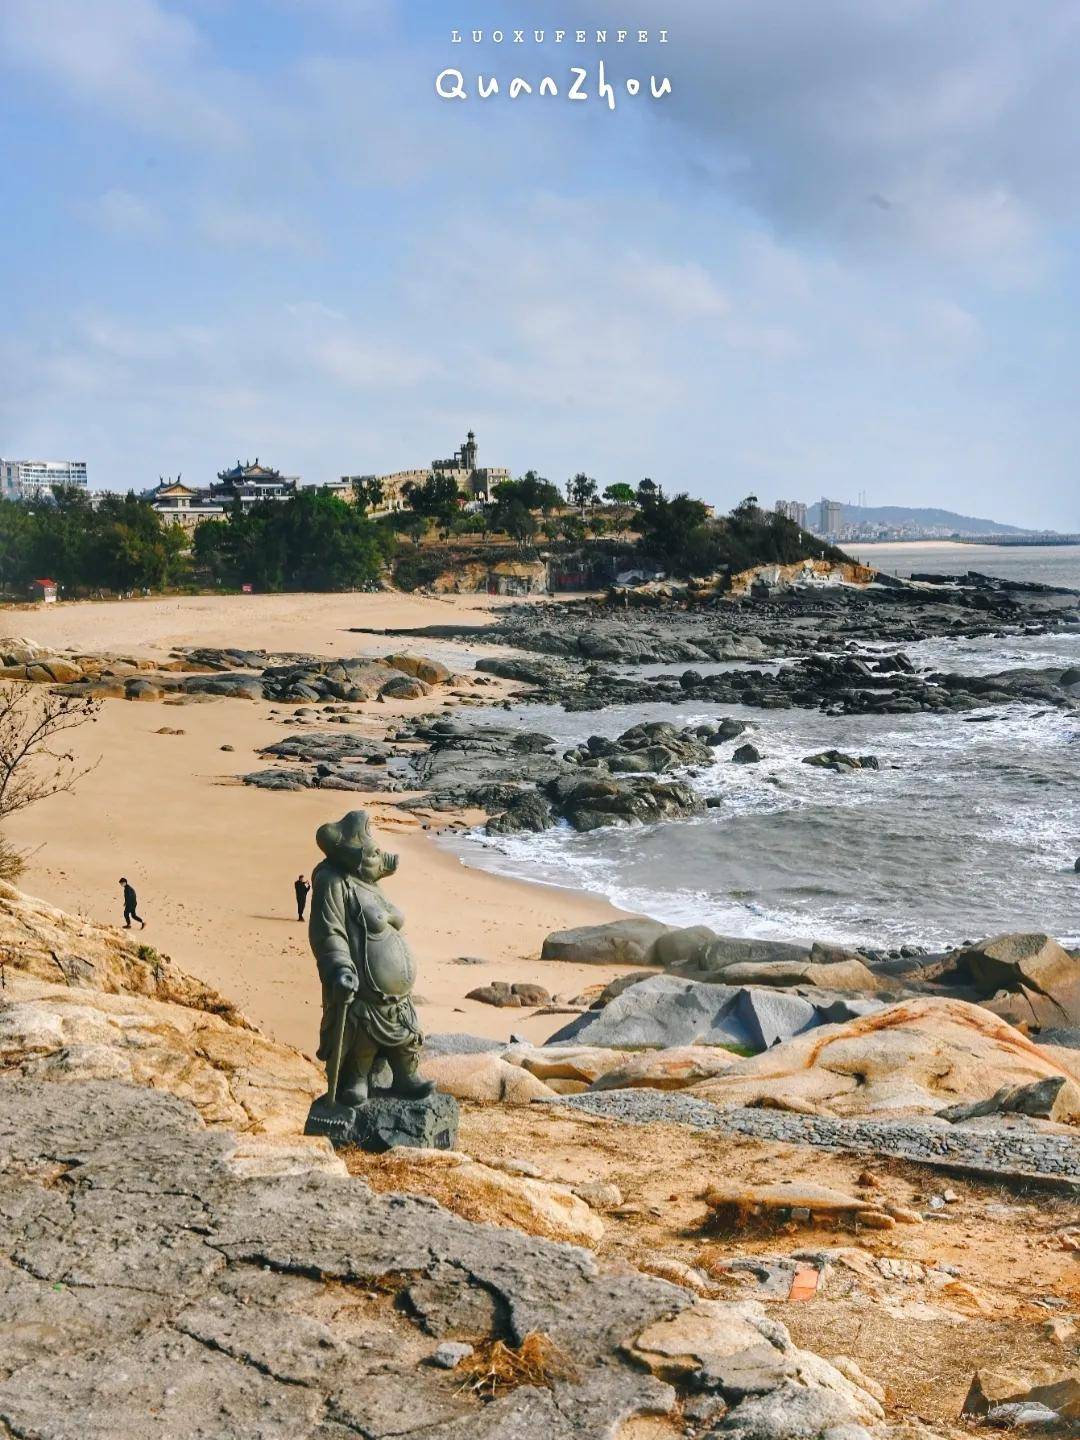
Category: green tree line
[312,541]
[119,544]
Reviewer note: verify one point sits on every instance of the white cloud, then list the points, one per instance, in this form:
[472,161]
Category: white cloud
[124,215]
[684,291]
[131,58]
[239,227]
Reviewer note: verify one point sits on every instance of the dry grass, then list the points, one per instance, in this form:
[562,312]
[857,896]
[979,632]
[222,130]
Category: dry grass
[495,1367]
[12,862]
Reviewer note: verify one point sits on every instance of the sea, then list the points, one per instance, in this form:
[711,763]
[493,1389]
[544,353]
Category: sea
[970,828]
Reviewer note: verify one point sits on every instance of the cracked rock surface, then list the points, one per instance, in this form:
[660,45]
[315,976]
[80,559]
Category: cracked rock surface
[159,1280]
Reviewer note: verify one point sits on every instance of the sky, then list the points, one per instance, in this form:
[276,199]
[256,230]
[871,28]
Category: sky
[841,256]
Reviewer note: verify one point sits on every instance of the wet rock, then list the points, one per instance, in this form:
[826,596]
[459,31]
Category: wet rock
[527,813]
[746,755]
[838,761]
[589,804]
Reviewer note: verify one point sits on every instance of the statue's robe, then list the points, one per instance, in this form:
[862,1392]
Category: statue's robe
[382,1008]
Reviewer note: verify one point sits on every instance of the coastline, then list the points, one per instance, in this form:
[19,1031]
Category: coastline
[213,860]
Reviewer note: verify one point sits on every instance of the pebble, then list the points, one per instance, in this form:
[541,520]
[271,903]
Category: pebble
[910,1139]
[449,1354]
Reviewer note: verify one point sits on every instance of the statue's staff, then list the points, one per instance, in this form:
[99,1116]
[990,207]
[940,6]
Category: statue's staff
[326,1116]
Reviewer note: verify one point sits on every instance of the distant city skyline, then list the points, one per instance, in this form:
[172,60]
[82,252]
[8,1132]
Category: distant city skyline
[839,257]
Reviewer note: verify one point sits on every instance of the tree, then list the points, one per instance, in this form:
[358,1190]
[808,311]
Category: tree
[311,541]
[119,543]
[516,520]
[368,494]
[674,534]
[620,494]
[436,498]
[31,766]
[475,524]
[648,490]
[572,529]
[411,524]
[581,491]
[534,492]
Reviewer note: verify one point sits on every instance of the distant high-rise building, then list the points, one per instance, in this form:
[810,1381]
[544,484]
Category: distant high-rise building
[832,515]
[39,479]
[792,510]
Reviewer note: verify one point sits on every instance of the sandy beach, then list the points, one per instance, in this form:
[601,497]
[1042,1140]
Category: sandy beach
[213,861]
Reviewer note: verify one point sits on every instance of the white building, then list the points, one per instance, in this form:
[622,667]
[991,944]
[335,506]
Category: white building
[39,479]
[792,510]
[832,518]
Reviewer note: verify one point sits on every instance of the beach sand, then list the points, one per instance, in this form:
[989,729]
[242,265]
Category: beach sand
[213,861]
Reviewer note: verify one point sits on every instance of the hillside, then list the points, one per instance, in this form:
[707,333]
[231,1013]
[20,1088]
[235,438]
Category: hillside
[914,515]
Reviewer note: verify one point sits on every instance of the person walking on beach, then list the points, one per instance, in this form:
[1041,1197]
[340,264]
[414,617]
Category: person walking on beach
[302,888]
[131,900]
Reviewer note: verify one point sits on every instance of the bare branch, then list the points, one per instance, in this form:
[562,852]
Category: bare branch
[31,768]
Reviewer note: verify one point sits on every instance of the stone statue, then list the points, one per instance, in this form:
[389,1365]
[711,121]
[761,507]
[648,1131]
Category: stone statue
[365,964]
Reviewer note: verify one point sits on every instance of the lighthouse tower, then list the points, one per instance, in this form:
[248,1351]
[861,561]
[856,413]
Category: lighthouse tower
[468,453]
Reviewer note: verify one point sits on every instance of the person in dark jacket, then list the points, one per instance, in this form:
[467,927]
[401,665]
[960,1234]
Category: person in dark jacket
[303,889]
[130,902]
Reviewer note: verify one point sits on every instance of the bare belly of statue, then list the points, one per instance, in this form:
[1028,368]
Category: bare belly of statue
[391,965]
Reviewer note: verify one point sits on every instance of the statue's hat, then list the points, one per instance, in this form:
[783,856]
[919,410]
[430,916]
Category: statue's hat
[346,839]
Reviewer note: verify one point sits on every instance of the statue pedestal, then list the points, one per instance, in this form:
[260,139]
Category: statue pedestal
[385,1121]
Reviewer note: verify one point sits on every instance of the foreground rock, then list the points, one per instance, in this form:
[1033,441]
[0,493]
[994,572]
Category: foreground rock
[185,1294]
[230,1073]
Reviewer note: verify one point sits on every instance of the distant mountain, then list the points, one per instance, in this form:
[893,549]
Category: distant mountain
[906,515]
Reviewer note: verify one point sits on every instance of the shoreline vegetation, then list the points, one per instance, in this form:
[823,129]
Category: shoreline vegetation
[316,541]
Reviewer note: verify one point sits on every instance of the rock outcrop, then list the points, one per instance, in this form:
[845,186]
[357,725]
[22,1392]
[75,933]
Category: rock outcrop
[661,1011]
[916,1057]
[1027,979]
[166,1283]
[38,941]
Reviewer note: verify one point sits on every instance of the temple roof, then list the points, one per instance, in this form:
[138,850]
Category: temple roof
[250,471]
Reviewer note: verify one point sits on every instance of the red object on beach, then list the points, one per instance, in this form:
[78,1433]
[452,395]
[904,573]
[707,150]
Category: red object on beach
[804,1283]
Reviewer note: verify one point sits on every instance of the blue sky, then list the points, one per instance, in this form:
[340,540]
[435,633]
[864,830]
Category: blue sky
[840,256]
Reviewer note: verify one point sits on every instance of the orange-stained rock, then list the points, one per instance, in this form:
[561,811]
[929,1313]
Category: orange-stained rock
[917,1056]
